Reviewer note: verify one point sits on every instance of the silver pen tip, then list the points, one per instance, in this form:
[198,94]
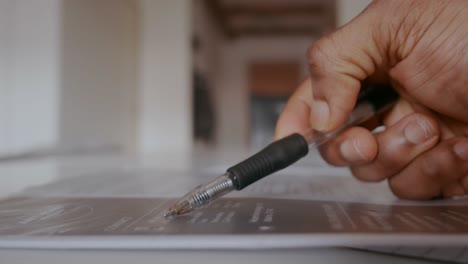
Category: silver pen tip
[170,213]
[179,208]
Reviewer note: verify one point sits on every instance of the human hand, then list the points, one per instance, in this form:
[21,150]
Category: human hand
[421,48]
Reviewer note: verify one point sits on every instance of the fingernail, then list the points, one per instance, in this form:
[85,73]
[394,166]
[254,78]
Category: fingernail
[418,131]
[461,149]
[321,113]
[351,151]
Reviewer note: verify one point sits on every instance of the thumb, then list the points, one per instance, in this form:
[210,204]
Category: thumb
[338,64]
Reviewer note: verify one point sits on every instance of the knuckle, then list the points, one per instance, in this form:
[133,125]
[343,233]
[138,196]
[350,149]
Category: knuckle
[368,173]
[453,189]
[315,51]
[429,167]
[392,156]
[464,183]
[387,163]
[319,53]
[409,191]
[398,189]
[395,154]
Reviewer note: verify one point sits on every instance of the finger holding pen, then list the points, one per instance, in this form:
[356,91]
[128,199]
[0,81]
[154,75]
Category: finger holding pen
[420,48]
[361,147]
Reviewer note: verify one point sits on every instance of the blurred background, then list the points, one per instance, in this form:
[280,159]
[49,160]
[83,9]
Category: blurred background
[147,76]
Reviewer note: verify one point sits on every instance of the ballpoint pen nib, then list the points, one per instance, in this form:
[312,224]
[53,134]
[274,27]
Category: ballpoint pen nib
[181,207]
[170,213]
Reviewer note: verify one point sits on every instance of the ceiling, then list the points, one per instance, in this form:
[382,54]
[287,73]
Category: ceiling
[239,18]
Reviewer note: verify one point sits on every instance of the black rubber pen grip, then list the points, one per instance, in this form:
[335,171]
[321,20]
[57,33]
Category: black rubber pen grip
[378,95]
[276,156]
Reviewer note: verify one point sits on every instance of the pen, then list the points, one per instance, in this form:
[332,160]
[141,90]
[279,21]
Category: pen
[372,100]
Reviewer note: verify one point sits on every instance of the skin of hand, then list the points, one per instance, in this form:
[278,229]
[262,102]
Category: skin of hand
[421,48]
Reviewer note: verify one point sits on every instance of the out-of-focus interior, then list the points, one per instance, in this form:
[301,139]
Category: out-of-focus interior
[147,76]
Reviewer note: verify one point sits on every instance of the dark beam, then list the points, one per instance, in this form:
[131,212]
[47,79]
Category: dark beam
[275,10]
[220,16]
[277,31]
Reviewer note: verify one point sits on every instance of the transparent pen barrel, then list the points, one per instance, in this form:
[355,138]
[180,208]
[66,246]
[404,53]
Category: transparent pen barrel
[361,113]
[216,188]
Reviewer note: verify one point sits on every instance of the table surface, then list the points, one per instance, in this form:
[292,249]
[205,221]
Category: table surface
[18,175]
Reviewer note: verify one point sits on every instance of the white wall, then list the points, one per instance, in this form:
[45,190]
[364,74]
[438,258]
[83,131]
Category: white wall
[30,73]
[165,68]
[99,78]
[67,73]
[70,74]
[347,9]
[5,21]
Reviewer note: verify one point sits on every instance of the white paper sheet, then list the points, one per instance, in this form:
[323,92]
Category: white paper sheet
[295,208]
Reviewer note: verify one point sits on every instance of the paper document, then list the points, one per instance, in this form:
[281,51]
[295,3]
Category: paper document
[251,216]
[289,209]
